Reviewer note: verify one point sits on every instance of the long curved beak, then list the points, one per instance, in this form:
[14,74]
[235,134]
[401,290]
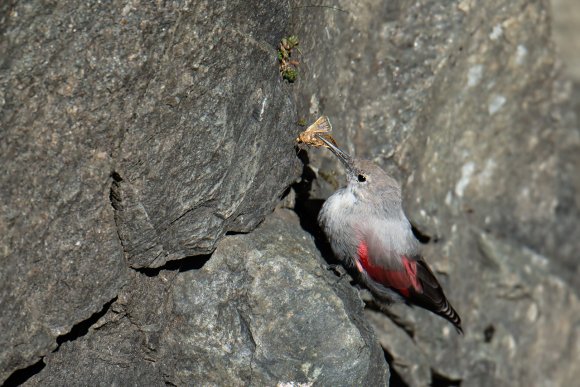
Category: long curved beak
[342,155]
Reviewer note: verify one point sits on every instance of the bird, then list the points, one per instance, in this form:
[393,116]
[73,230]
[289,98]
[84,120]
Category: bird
[368,229]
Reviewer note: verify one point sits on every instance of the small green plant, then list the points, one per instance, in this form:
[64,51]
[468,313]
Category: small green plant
[288,66]
[290,75]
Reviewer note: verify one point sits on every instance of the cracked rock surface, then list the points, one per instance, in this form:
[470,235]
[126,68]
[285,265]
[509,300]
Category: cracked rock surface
[145,145]
[168,113]
[235,321]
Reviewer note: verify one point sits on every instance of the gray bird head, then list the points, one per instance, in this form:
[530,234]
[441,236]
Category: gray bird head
[366,180]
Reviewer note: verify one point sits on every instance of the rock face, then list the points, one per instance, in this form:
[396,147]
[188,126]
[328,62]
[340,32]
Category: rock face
[461,101]
[465,102]
[168,114]
[232,322]
[134,137]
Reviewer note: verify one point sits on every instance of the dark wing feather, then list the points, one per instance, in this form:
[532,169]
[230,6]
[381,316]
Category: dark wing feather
[432,297]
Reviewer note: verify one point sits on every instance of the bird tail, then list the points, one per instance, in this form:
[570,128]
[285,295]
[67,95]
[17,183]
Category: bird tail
[432,297]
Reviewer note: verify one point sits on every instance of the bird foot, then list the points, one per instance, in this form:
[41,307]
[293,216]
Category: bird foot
[338,270]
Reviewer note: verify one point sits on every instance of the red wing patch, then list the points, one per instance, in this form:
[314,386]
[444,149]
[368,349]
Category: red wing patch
[400,280]
[411,269]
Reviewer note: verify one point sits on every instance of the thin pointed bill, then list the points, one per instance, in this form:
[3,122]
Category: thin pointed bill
[342,155]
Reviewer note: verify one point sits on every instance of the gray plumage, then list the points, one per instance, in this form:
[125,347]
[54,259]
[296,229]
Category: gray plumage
[368,230]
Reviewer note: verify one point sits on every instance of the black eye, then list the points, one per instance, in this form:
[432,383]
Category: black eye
[362,178]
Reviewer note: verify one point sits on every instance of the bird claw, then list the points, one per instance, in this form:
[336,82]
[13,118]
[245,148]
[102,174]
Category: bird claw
[338,270]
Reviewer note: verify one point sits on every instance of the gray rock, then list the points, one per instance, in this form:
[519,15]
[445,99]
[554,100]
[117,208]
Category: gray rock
[565,16]
[465,102]
[136,136]
[515,312]
[221,153]
[462,102]
[261,311]
[183,103]
[405,357]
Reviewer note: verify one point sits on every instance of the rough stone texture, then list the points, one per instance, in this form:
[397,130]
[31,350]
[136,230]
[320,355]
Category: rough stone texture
[462,102]
[516,313]
[180,102]
[261,311]
[137,135]
[565,15]
[459,98]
